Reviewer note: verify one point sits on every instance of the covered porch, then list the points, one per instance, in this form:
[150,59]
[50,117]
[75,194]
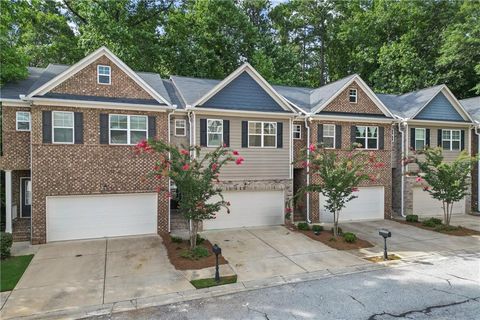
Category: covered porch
[18,203]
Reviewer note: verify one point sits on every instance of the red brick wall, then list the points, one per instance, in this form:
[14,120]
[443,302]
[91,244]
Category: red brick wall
[90,168]
[85,83]
[16,144]
[342,103]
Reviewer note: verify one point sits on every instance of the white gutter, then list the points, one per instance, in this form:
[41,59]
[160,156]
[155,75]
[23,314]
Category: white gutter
[169,158]
[402,126]
[307,126]
[478,167]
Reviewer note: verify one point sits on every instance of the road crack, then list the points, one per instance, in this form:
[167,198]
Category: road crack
[258,311]
[360,302]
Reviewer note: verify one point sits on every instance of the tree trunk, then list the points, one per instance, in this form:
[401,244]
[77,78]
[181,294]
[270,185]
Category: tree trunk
[335,224]
[193,234]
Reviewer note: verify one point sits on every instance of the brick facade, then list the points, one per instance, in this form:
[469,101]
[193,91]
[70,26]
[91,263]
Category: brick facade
[84,82]
[299,146]
[90,168]
[16,144]
[474,197]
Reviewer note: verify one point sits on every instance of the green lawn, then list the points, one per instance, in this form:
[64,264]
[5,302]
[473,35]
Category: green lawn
[12,270]
[206,283]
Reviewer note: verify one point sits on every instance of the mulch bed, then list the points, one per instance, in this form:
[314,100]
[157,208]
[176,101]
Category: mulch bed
[460,231]
[180,263]
[326,237]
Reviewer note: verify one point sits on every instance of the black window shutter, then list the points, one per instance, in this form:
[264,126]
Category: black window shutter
[439,137]
[203,132]
[47,126]
[244,134]
[320,134]
[412,138]
[226,132]
[152,127]
[103,128]
[338,136]
[381,138]
[427,137]
[279,134]
[462,140]
[78,122]
[353,134]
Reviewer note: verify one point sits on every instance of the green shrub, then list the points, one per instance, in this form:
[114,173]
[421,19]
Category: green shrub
[200,240]
[444,228]
[317,228]
[303,226]
[340,231]
[176,239]
[195,254]
[6,241]
[411,218]
[349,237]
[432,222]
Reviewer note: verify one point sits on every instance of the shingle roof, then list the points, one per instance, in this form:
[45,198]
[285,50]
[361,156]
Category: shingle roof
[472,105]
[12,90]
[408,104]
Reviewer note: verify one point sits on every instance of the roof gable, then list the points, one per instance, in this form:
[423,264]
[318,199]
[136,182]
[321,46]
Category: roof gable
[439,108]
[243,93]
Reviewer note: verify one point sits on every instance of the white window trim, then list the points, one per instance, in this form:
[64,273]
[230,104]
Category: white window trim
[262,135]
[184,127]
[350,95]
[424,137]
[60,127]
[221,133]
[334,134]
[128,130]
[109,74]
[299,131]
[365,144]
[29,121]
[451,140]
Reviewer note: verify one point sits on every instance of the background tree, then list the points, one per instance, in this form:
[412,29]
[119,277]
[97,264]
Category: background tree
[446,182]
[196,179]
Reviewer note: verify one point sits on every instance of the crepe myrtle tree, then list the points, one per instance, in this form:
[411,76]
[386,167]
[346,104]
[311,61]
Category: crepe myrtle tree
[339,175]
[446,182]
[196,175]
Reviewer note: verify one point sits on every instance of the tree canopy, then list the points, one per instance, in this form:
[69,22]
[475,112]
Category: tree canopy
[395,45]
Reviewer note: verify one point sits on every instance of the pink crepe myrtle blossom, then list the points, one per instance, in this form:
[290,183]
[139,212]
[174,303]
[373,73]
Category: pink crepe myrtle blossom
[185,167]
[419,179]
[224,145]
[312,147]
[239,160]
[235,153]
[184,152]
[355,189]
[425,188]
[379,165]
[288,210]
[214,166]
[372,177]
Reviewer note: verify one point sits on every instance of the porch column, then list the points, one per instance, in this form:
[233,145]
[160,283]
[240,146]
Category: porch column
[8,201]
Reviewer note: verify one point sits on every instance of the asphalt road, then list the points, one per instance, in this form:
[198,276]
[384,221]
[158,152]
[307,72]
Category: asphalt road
[444,288]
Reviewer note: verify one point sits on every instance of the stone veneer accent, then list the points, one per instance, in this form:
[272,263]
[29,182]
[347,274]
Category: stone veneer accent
[90,168]
[16,144]
[84,82]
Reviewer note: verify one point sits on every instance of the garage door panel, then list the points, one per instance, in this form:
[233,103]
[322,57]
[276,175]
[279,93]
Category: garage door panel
[426,206]
[83,217]
[248,209]
[368,206]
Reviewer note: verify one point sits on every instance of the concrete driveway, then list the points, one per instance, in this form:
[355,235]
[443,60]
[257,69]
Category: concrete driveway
[408,241]
[74,274]
[257,253]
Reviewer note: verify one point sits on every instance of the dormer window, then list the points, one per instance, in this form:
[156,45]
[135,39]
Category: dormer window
[352,96]
[103,74]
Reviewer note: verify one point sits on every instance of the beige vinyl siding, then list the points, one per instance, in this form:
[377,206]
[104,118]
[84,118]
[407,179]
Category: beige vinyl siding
[260,163]
[179,140]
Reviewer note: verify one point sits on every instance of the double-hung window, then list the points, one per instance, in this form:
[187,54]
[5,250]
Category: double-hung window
[23,121]
[262,134]
[180,127]
[214,132]
[104,74]
[420,138]
[329,136]
[367,137]
[62,127]
[125,129]
[297,131]
[451,140]
[352,95]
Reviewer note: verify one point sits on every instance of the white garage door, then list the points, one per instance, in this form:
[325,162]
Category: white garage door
[248,209]
[426,206]
[83,217]
[368,206]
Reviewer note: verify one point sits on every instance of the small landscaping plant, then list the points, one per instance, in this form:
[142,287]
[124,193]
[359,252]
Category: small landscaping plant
[444,228]
[349,237]
[317,228]
[200,240]
[176,239]
[6,241]
[195,254]
[432,222]
[303,226]
[411,218]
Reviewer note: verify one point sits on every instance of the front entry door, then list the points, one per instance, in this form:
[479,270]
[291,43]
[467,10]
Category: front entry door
[26,198]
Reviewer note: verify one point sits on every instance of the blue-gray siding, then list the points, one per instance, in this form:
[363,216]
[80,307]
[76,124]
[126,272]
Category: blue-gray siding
[439,108]
[243,93]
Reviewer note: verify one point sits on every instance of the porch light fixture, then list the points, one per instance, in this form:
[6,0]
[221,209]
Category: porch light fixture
[217,250]
[385,234]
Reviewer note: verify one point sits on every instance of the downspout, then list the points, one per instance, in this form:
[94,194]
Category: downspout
[307,126]
[478,167]
[402,126]
[169,158]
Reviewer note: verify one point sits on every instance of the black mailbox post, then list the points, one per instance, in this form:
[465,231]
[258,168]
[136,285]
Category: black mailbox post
[385,234]
[217,250]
